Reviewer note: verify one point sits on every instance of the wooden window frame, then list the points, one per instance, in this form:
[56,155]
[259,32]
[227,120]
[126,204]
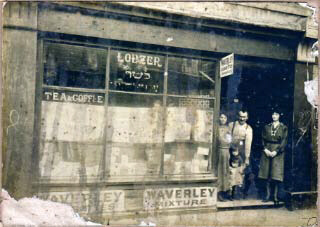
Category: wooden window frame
[106,179]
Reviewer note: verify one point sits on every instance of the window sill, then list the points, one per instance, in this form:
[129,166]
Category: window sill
[129,180]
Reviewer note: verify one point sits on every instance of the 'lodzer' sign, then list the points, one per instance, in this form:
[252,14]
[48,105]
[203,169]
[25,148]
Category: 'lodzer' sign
[179,197]
[226,65]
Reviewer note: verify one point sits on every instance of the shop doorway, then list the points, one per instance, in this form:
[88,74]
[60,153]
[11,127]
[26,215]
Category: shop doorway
[258,86]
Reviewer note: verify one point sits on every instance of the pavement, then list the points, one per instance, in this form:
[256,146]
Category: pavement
[243,217]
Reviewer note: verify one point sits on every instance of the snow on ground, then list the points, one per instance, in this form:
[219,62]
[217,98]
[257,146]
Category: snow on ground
[37,212]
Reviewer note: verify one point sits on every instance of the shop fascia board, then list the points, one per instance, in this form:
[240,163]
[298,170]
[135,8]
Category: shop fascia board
[284,7]
[21,14]
[77,23]
[227,12]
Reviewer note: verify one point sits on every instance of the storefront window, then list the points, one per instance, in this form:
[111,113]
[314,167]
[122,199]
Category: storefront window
[71,147]
[188,144]
[194,77]
[74,66]
[147,122]
[188,135]
[135,133]
[72,118]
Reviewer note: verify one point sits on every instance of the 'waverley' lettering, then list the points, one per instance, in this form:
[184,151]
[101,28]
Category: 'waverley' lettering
[179,197]
[72,96]
[89,201]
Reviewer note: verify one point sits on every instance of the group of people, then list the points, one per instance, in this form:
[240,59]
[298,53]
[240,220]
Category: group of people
[234,149]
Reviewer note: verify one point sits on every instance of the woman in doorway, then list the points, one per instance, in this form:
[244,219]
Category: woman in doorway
[224,140]
[274,141]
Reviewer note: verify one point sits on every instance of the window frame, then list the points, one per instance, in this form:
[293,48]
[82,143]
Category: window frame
[209,176]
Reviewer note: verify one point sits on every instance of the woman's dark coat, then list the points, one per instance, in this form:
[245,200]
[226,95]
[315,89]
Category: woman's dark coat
[273,168]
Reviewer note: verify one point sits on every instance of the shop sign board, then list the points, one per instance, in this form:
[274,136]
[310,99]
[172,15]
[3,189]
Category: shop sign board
[86,201]
[227,65]
[188,197]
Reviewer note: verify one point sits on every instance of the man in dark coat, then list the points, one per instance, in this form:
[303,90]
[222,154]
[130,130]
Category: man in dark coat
[274,141]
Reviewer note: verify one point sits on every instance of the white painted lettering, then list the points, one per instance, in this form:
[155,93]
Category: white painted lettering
[75,98]
[55,96]
[157,62]
[80,97]
[135,58]
[119,57]
[147,76]
[89,98]
[127,57]
[69,98]
[63,97]
[100,99]
[149,60]
[142,59]
[48,94]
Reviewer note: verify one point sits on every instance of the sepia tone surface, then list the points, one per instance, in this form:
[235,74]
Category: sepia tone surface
[114,108]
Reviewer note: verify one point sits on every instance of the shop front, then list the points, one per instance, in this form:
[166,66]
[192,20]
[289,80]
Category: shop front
[118,109]
[127,117]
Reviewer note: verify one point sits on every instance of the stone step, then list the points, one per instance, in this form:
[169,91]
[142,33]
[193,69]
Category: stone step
[248,203]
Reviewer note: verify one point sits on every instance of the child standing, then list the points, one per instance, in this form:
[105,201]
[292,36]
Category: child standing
[236,169]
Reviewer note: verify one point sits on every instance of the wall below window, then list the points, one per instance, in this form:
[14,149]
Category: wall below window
[102,204]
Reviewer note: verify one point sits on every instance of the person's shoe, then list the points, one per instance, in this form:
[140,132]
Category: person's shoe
[276,202]
[220,198]
[229,196]
[233,196]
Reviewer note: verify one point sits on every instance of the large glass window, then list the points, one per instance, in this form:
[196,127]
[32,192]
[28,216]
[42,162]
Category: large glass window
[188,76]
[72,140]
[189,116]
[135,134]
[74,66]
[109,114]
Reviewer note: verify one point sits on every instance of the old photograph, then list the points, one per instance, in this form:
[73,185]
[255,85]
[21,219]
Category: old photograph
[159,113]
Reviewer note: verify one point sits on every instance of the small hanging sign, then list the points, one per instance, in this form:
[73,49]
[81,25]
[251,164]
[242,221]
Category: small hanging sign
[227,65]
